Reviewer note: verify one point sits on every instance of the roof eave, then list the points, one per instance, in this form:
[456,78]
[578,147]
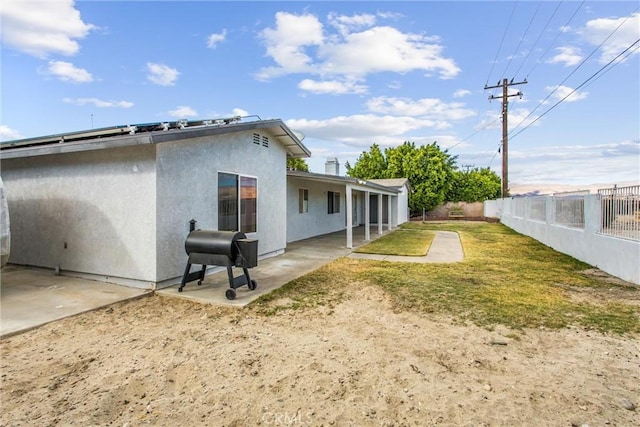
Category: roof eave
[76,146]
[55,144]
[354,182]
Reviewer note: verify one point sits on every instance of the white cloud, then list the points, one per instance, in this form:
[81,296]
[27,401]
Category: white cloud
[361,129]
[597,30]
[7,134]
[567,56]
[42,28]
[333,87]
[214,39]
[182,112]
[425,107]
[518,118]
[99,102]
[161,74]
[395,84]
[299,44]
[234,112]
[239,112]
[575,164]
[345,24]
[286,42]
[390,122]
[390,15]
[67,72]
[560,92]
[460,93]
[385,49]
[491,120]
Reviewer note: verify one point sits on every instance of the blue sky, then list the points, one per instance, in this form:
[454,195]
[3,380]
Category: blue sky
[345,74]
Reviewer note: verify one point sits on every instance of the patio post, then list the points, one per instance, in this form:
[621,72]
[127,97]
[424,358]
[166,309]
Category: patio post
[367,219]
[379,213]
[349,218]
[389,213]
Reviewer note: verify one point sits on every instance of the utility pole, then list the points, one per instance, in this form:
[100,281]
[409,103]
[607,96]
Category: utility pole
[505,128]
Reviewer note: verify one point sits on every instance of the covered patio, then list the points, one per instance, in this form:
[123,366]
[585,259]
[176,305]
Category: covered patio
[363,201]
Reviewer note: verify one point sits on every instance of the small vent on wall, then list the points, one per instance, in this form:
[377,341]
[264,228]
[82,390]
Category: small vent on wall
[256,139]
[265,141]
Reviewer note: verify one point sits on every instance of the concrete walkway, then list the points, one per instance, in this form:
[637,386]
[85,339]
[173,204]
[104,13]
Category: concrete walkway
[445,248]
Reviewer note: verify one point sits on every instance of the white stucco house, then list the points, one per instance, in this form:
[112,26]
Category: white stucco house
[115,204]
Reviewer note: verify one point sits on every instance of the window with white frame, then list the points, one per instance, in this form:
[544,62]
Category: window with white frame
[237,202]
[303,200]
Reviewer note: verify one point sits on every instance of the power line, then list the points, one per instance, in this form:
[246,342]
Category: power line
[475,133]
[494,156]
[515,52]
[501,42]
[570,74]
[554,40]
[576,89]
[538,39]
[628,54]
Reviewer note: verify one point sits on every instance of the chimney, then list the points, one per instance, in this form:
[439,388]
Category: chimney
[332,166]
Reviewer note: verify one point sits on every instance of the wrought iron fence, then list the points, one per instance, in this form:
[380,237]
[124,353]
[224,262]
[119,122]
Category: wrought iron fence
[620,212]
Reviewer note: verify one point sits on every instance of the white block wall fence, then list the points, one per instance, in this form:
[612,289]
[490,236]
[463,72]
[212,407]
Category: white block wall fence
[571,224]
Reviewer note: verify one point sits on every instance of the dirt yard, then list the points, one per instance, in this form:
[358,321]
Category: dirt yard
[169,362]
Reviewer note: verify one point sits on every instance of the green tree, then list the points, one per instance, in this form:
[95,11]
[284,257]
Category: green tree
[428,169]
[476,185]
[297,165]
[369,165]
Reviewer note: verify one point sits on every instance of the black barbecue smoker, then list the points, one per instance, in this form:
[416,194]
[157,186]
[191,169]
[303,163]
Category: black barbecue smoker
[221,248]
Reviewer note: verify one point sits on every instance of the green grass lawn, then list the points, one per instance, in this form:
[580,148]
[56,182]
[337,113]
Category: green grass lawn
[404,242]
[506,278]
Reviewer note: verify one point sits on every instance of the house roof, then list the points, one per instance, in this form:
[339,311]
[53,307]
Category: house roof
[356,183]
[393,182]
[150,133]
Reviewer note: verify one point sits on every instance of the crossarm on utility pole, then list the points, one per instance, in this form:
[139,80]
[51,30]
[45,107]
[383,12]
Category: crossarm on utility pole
[505,128]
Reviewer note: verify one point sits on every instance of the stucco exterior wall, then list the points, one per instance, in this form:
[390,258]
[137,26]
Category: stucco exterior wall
[88,212]
[317,221]
[187,188]
[402,206]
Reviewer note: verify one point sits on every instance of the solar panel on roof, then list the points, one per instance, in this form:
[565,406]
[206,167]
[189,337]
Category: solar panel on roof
[116,131]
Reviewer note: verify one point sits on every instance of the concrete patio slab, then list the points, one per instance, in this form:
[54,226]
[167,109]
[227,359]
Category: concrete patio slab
[300,258]
[33,297]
